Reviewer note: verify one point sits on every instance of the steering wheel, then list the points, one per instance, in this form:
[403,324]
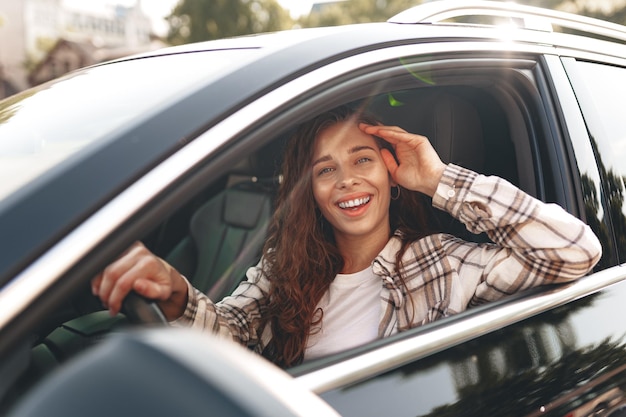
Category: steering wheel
[141,310]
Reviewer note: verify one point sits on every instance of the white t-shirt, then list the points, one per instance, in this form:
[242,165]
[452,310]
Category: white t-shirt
[352,311]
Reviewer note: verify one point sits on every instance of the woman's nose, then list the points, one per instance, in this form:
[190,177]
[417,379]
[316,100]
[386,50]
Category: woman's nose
[347,179]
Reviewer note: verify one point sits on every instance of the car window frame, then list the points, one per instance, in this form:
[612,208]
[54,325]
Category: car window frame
[282,104]
[167,186]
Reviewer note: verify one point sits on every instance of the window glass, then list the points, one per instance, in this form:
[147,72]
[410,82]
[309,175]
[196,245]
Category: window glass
[601,93]
[42,127]
[552,359]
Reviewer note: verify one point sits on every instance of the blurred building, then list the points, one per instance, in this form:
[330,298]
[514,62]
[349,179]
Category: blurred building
[42,39]
[319,6]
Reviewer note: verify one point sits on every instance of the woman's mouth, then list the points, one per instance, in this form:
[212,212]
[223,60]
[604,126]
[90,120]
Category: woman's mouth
[354,203]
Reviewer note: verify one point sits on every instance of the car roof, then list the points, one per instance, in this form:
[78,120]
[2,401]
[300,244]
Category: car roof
[523,24]
[379,33]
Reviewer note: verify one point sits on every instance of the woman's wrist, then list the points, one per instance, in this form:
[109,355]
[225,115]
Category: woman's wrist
[434,180]
[175,305]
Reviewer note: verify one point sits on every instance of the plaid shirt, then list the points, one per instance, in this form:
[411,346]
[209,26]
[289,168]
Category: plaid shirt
[534,244]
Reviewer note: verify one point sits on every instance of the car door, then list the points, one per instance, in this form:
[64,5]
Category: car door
[496,90]
[567,360]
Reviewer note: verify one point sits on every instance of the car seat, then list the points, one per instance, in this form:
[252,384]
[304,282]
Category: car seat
[450,122]
[227,233]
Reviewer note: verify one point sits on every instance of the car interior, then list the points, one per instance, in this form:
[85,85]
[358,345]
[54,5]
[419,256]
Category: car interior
[467,126]
[225,234]
[218,234]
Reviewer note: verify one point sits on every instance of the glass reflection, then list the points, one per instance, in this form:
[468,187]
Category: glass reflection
[601,92]
[613,191]
[42,127]
[568,362]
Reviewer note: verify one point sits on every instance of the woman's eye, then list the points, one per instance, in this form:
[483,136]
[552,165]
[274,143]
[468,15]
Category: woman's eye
[363,159]
[324,171]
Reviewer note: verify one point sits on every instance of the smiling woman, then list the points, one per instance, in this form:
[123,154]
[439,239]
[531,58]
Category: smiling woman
[334,223]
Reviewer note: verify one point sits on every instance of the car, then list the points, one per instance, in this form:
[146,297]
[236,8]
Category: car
[180,149]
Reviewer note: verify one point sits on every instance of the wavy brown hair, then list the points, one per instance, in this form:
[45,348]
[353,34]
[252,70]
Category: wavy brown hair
[301,256]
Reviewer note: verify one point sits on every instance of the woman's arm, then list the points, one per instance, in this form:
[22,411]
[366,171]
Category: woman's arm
[535,243]
[238,316]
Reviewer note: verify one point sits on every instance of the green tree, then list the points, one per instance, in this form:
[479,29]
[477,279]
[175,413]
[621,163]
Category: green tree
[200,20]
[356,11]
[617,15]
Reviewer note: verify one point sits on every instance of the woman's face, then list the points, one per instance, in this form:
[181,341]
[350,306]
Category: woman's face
[351,184]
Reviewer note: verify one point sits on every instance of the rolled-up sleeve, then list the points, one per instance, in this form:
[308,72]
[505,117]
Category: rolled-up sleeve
[535,243]
[238,316]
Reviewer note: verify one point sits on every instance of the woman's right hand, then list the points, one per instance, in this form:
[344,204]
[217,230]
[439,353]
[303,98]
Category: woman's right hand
[141,271]
[419,167]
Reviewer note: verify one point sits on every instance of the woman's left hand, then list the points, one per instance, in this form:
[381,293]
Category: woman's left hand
[419,167]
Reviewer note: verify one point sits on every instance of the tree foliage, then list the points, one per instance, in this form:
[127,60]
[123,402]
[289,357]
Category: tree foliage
[355,11]
[200,20]
[617,15]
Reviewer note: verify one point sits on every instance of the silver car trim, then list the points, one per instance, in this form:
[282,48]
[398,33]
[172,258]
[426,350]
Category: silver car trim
[586,55]
[534,17]
[394,355]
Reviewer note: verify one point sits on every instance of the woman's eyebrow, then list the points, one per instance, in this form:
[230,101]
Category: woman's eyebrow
[361,148]
[352,150]
[321,159]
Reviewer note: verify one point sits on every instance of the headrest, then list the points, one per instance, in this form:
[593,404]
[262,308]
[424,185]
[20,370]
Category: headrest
[243,208]
[264,163]
[451,123]
[240,206]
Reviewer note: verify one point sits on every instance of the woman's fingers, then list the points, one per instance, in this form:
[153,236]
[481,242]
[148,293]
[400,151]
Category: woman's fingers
[392,134]
[113,273]
[95,285]
[136,269]
[418,166]
[142,278]
[101,287]
[390,162]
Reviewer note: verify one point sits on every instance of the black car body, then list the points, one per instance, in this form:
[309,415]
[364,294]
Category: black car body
[184,143]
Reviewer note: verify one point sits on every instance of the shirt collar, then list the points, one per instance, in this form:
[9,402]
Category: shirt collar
[385,262]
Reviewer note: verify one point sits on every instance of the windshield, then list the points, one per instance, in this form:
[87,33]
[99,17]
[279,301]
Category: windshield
[42,127]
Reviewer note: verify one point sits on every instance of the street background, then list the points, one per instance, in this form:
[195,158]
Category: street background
[44,39]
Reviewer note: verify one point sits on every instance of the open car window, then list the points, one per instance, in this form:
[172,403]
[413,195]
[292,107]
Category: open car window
[472,121]
[211,224]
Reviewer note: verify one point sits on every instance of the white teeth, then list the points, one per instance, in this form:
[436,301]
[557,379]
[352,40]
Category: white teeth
[354,203]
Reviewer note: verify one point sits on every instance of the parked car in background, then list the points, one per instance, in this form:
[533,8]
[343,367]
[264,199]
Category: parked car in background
[180,148]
